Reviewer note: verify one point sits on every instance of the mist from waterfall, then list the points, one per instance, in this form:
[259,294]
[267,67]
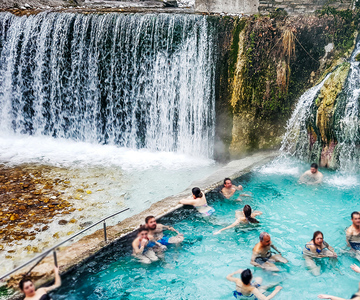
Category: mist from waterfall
[135,81]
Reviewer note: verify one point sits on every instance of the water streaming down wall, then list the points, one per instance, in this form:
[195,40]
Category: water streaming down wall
[337,146]
[139,81]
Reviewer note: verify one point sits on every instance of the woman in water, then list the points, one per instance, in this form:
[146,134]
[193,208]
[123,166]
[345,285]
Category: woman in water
[356,296]
[243,217]
[28,288]
[317,248]
[249,289]
[199,202]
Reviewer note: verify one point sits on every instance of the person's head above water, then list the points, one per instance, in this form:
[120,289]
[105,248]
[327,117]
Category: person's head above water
[355,218]
[143,232]
[247,214]
[150,222]
[227,183]
[318,238]
[246,276]
[313,168]
[265,239]
[197,192]
[27,287]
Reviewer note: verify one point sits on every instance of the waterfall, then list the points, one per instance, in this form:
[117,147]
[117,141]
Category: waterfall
[347,121]
[136,81]
[296,140]
[340,148]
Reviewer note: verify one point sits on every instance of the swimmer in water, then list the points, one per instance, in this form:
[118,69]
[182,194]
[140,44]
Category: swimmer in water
[246,288]
[262,256]
[142,247]
[317,248]
[243,217]
[229,189]
[28,288]
[353,234]
[156,232]
[356,296]
[199,202]
[312,176]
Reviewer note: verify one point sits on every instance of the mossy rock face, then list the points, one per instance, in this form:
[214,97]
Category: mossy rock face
[327,99]
[357,57]
[272,61]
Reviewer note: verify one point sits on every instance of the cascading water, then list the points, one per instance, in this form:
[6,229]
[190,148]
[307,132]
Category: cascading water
[337,145]
[296,140]
[347,121]
[138,81]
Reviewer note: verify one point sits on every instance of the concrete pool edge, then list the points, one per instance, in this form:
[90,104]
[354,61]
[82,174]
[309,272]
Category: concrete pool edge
[78,252]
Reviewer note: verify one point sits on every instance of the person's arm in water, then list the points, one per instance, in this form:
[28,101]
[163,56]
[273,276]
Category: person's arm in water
[239,187]
[256,213]
[233,279]
[164,227]
[253,257]
[323,296]
[136,243]
[330,248]
[57,282]
[276,249]
[261,296]
[302,178]
[355,268]
[348,236]
[188,202]
[237,222]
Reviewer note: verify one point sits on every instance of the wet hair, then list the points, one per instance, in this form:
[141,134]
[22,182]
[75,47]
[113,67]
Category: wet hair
[148,218]
[197,192]
[314,165]
[23,281]
[316,233]
[262,235]
[354,213]
[246,276]
[247,213]
[226,179]
[143,228]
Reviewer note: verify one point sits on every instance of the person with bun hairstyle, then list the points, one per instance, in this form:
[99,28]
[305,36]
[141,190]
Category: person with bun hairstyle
[198,200]
[28,288]
[246,216]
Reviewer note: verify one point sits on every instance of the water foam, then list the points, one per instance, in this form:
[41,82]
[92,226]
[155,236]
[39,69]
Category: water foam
[20,149]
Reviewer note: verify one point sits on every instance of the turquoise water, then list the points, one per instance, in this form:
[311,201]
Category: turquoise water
[197,268]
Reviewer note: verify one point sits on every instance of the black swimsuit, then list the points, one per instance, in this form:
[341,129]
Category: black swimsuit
[45,297]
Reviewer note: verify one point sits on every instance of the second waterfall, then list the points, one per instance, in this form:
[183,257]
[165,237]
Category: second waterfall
[138,81]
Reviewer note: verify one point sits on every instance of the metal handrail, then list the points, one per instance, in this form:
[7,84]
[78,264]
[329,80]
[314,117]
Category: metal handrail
[45,253]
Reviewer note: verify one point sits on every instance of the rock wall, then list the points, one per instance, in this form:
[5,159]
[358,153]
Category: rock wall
[271,61]
[292,7]
[301,6]
[227,6]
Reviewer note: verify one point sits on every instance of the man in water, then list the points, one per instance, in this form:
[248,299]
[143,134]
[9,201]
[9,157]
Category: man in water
[353,234]
[156,232]
[262,256]
[229,189]
[312,176]
[142,247]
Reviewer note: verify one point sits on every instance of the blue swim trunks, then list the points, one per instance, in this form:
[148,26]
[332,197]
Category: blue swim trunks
[164,241]
[355,246]
[239,295]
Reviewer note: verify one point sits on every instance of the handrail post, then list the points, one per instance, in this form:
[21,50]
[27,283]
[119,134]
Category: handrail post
[55,259]
[105,237]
